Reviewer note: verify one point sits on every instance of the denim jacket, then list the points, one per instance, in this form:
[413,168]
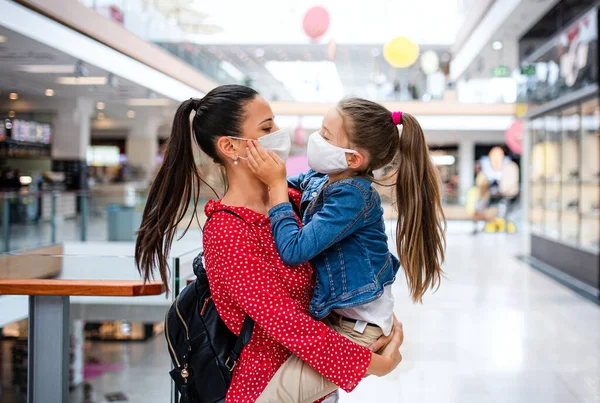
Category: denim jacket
[344,233]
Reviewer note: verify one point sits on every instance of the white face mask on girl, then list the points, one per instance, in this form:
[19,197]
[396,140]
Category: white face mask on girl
[279,142]
[324,157]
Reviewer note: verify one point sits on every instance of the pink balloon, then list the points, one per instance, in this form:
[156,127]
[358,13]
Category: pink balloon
[514,137]
[316,22]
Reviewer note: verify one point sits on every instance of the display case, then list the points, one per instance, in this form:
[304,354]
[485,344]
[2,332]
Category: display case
[563,151]
[590,176]
[564,190]
[537,184]
[564,203]
[570,157]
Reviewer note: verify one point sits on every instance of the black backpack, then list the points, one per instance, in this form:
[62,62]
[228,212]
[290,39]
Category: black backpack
[203,350]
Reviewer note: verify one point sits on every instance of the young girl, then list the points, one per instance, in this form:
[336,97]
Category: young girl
[343,228]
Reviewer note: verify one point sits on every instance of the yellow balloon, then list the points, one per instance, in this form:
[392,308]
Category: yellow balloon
[401,52]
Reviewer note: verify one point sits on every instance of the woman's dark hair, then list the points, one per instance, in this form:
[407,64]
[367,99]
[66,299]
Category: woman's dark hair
[420,232]
[220,113]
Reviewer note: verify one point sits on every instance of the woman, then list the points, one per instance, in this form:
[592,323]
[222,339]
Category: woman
[246,275]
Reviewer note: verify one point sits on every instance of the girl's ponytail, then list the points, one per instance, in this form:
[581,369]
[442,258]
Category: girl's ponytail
[421,224]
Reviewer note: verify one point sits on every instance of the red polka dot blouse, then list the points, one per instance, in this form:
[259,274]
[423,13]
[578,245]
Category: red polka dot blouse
[247,276]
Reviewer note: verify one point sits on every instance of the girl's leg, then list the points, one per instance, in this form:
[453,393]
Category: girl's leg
[298,382]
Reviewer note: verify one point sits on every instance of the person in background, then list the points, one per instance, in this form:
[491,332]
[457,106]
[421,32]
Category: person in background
[479,197]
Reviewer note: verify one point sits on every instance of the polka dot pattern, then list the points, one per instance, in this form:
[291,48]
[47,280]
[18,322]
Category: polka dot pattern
[247,276]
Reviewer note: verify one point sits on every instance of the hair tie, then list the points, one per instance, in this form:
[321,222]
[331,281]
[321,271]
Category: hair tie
[397,118]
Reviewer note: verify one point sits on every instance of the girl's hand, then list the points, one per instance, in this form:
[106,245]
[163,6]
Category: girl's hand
[266,165]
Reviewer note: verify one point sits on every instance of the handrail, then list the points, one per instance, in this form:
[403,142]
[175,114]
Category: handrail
[92,192]
[95,288]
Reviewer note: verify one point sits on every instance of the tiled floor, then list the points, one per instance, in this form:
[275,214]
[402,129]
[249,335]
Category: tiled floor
[496,331]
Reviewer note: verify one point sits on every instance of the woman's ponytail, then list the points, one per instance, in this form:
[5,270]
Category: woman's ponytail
[176,181]
[420,232]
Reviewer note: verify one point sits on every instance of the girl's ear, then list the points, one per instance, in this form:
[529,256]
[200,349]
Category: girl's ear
[355,160]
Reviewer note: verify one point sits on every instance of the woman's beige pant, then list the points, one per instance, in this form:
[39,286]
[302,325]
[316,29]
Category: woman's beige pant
[298,382]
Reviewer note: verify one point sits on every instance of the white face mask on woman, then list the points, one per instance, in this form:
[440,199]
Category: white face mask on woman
[324,157]
[279,142]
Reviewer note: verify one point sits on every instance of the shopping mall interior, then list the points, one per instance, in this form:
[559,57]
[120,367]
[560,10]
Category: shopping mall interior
[506,92]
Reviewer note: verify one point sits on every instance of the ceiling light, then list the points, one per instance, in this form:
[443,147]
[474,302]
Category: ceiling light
[13,96]
[81,80]
[148,102]
[46,68]
[100,106]
[49,92]
[3,39]
[101,116]
[12,114]
[497,45]
[25,180]
[130,114]
[443,159]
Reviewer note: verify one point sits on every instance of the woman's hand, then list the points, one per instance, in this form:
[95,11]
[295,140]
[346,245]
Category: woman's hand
[266,165]
[385,340]
[390,357]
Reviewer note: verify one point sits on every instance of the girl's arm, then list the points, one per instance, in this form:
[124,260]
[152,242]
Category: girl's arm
[341,214]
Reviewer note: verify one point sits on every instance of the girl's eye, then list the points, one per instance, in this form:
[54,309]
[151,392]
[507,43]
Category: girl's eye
[268,129]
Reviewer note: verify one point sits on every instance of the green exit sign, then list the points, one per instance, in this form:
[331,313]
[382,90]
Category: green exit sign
[501,71]
[528,71]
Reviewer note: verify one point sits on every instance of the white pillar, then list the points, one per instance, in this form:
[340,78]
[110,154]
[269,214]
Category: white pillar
[71,138]
[466,167]
[142,144]
[72,129]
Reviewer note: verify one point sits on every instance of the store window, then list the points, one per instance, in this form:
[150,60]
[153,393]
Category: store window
[565,175]
[446,160]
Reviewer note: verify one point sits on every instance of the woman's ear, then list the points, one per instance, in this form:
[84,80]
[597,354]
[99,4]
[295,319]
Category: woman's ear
[228,147]
[356,160]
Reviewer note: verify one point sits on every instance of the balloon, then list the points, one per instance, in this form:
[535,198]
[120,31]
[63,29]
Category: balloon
[401,52]
[514,136]
[316,22]
[430,62]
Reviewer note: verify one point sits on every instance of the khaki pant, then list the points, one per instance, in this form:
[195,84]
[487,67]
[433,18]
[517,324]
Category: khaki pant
[298,382]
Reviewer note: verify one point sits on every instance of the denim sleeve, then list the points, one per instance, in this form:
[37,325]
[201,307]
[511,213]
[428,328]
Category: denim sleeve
[341,215]
[295,181]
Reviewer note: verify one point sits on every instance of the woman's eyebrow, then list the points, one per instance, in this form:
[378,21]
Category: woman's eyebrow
[266,120]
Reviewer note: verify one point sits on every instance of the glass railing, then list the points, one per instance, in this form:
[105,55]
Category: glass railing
[31,220]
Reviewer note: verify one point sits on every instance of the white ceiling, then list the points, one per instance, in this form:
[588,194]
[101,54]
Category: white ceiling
[20,50]
[280,21]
